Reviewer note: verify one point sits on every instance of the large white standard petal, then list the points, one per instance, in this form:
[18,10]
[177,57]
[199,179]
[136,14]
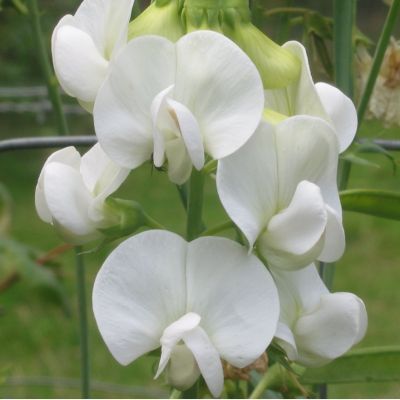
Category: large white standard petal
[316,326]
[123,109]
[156,289]
[235,296]
[83,44]
[247,183]
[139,291]
[221,86]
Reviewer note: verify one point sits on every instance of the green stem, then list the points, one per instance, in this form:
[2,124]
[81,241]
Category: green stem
[51,82]
[344,12]
[175,394]
[269,377]
[378,58]
[218,228]
[195,205]
[83,325]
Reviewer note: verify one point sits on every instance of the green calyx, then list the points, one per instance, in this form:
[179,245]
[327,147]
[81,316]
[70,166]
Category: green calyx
[125,217]
[214,14]
[161,18]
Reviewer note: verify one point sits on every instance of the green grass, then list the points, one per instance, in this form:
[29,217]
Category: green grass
[39,340]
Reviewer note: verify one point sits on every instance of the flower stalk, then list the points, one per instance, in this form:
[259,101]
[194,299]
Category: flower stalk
[195,205]
[83,324]
[51,82]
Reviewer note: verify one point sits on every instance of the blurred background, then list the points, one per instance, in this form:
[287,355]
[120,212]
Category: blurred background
[39,345]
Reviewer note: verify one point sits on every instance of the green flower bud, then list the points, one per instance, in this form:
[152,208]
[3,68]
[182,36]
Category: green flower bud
[161,18]
[278,67]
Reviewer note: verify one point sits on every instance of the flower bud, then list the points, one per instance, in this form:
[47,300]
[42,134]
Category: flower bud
[277,66]
[161,18]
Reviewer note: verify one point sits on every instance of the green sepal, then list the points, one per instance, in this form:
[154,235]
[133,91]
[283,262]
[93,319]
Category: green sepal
[127,216]
[162,18]
[379,203]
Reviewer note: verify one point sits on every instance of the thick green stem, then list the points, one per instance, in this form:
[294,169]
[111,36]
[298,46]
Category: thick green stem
[195,205]
[51,82]
[83,325]
[344,13]
[378,58]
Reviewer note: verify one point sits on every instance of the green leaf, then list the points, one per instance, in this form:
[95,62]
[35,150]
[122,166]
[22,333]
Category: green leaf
[352,158]
[368,146]
[378,203]
[375,364]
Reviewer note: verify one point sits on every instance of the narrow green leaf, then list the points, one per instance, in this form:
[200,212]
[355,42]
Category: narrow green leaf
[378,203]
[352,158]
[376,364]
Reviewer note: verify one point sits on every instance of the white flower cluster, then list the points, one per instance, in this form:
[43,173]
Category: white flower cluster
[277,151]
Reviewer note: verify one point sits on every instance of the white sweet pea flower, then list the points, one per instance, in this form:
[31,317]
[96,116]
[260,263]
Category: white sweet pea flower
[318,100]
[177,101]
[83,45]
[280,190]
[71,191]
[200,301]
[316,326]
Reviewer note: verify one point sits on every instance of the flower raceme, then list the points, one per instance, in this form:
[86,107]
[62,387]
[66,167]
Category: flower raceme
[84,44]
[71,192]
[280,190]
[316,326]
[200,301]
[178,102]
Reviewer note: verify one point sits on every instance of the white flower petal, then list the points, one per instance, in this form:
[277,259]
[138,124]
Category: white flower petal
[68,156]
[284,337]
[299,291]
[301,97]
[139,291]
[235,296]
[100,174]
[106,21]
[122,112]
[331,330]
[307,150]
[79,66]
[334,242]
[68,201]
[227,109]
[190,131]
[161,121]
[247,183]
[172,335]
[341,111]
[294,236]
[179,163]
[208,359]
